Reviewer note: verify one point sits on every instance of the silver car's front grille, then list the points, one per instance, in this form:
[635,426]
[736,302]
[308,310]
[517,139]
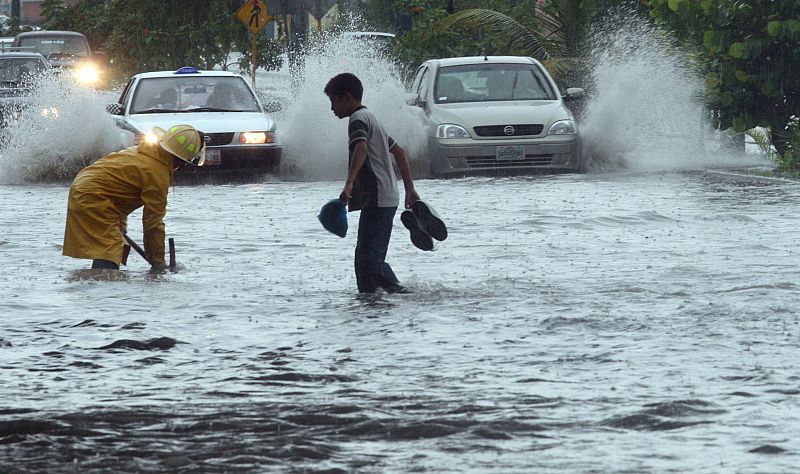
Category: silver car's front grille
[511,130]
[217,139]
[491,161]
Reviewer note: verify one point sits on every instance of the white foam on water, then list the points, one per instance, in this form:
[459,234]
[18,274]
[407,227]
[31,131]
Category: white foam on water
[645,112]
[65,129]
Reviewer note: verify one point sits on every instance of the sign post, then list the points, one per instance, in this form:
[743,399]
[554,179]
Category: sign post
[255,17]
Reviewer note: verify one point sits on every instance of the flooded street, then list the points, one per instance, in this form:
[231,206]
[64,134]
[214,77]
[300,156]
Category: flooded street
[642,317]
[619,322]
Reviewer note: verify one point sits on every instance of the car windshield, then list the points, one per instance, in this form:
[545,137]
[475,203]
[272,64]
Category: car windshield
[56,45]
[193,94]
[491,82]
[19,70]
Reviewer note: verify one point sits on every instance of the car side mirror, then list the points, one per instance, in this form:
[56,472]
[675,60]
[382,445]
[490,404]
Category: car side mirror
[574,93]
[412,98]
[114,109]
[272,106]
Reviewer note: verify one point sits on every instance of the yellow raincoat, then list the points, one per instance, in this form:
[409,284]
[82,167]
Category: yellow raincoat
[105,192]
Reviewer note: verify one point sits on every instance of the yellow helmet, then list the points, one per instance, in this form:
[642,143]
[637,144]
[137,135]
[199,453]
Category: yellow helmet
[184,142]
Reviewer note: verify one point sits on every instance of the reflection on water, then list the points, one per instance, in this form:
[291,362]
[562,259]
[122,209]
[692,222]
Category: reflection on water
[580,323]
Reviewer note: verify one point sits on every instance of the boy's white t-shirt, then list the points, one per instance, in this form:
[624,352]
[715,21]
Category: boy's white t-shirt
[376,183]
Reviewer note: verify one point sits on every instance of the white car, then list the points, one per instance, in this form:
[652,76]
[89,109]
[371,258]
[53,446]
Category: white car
[240,136]
[495,115]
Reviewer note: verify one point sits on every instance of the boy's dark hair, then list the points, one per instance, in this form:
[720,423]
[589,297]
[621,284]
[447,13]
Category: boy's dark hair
[344,83]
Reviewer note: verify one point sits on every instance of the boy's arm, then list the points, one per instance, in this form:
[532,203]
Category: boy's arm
[405,171]
[359,157]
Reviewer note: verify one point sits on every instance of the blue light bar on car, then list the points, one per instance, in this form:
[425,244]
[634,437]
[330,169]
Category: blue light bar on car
[187,70]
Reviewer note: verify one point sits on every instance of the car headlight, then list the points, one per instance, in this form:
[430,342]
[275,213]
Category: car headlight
[563,127]
[257,138]
[49,112]
[450,130]
[86,74]
[150,137]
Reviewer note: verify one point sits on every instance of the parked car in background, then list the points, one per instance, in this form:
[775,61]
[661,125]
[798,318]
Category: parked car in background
[376,38]
[495,114]
[20,73]
[239,135]
[66,51]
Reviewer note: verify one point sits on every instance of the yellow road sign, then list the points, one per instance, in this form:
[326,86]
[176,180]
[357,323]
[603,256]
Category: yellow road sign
[254,15]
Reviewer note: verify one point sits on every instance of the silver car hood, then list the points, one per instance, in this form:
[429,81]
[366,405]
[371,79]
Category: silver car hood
[207,122]
[474,114]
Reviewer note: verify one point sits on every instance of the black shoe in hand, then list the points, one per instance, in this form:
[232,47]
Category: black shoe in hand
[419,237]
[429,220]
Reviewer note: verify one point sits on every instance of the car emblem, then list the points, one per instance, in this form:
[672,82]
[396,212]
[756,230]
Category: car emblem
[207,139]
[508,130]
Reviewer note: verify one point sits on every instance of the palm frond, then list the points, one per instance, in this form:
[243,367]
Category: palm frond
[490,20]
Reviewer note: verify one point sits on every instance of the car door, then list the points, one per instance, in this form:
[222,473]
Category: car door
[127,132]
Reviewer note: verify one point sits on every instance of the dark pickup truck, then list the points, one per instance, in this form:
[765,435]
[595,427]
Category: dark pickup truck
[64,50]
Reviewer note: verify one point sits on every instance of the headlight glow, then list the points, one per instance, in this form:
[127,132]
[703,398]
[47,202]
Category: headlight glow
[50,112]
[449,130]
[150,138]
[86,74]
[256,138]
[562,127]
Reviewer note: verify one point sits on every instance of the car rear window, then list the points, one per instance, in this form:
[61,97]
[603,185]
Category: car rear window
[56,45]
[489,82]
[19,69]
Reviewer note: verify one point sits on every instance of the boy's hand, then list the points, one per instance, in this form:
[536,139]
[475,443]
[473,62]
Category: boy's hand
[347,192]
[411,198]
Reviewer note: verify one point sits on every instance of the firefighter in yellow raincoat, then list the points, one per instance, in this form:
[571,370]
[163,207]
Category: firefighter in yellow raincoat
[104,193]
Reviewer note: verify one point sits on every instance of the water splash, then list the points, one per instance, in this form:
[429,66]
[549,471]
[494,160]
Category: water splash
[315,141]
[645,113]
[64,129]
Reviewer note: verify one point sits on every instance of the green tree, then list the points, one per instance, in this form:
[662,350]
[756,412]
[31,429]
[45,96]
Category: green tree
[149,35]
[420,42]
[554,31]
[750,52]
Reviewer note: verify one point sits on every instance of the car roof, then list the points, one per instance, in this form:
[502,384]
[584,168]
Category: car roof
[483,60]
[368,33]
[21,54]
[49,33]
[199,73]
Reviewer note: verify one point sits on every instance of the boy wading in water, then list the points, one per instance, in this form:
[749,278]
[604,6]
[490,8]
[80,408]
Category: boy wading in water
[371,185]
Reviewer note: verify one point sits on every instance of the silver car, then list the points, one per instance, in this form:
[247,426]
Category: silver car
[495,114]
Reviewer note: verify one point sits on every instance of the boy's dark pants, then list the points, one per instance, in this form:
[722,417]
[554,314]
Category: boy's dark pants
[374,232]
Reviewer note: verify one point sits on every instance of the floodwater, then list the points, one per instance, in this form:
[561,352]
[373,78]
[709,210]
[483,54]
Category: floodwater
[626,322]
[642,317]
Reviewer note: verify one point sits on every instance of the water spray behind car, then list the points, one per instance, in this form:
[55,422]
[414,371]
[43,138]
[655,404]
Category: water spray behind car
[63,128]
[645,111]
[314,139]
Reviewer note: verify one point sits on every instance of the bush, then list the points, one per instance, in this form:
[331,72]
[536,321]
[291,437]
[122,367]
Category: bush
[789,160]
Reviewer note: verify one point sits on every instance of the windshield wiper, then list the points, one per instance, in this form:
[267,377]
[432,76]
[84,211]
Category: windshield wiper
[208,109]
[158,111]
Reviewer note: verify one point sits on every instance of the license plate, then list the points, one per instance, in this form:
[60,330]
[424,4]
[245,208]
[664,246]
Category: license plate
[510,152]
[213,157]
